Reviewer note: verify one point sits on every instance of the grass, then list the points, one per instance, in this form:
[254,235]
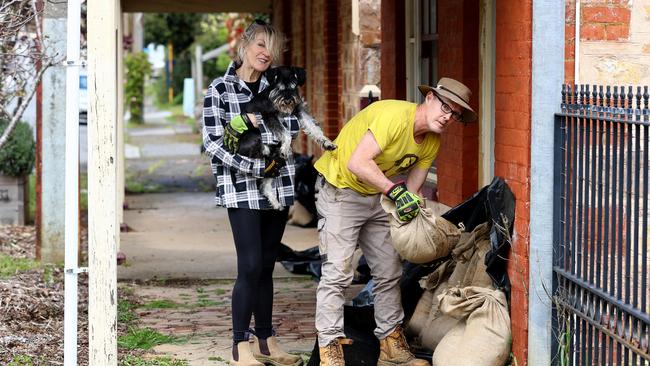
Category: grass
[160,304]
[202,303]
[158,361]
[219,291]
[9,266]
[21,360]
[155,166]
[133,185]
[199,171]
[125,312]
[178,117]
[216,358]
[146,339]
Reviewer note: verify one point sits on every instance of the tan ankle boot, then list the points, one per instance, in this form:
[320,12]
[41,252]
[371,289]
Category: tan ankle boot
[269,351]
[332,354]
[243,356]
[394,351]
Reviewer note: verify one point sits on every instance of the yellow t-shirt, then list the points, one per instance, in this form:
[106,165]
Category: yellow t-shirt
[391,123]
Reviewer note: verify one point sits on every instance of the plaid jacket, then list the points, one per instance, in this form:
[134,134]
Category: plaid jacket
[238,176]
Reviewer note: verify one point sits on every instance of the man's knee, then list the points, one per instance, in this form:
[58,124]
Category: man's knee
[337,274]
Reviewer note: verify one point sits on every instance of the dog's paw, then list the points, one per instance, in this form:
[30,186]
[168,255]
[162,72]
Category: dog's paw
[328,145]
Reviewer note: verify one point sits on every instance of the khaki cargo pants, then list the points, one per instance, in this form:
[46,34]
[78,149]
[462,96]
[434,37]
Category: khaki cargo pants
[349,218]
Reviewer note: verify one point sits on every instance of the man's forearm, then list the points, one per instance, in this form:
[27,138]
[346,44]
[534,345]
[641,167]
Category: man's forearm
[369,172]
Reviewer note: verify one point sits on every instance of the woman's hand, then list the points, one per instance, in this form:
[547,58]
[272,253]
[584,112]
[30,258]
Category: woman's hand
[236,129]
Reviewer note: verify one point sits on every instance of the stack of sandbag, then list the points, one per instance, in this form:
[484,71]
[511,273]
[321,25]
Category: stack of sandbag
[482,334]
[423,239]
[450,317]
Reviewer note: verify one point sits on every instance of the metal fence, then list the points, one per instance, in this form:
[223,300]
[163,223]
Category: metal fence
[600,289]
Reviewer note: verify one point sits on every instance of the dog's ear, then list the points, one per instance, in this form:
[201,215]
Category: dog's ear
[271,75]
[301,75]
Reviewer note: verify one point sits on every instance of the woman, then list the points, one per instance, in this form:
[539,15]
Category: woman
[257,229]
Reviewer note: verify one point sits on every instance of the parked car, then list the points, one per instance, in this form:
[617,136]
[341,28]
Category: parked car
[83,97]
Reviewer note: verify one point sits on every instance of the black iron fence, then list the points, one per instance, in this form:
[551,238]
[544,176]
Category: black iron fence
[601,293]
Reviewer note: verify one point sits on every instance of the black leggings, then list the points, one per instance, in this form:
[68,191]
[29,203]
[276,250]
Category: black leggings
[257,235]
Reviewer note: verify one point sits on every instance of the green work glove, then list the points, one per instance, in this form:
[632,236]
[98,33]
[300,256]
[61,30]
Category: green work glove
[273,166]
[234,131]
[408,204]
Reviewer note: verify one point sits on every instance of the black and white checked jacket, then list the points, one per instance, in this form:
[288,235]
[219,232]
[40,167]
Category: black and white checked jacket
[238,176]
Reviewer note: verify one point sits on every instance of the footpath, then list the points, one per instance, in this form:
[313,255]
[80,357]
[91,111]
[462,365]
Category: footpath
[180,253]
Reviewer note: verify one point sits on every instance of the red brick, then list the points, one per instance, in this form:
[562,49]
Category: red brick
[569,71]
[592,32]
[518,155]
[605,14]
[570,33]
[512,137]
[617,32]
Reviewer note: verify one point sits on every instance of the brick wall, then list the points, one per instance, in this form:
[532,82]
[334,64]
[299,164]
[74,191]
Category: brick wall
[337,61]
[611,49]
[457,162]
[348,62]
[393,49]
[513,90]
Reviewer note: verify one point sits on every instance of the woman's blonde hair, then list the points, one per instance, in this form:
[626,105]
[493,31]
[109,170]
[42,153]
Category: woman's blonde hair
[273,38]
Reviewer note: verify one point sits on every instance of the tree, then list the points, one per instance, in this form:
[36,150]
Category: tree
[23,59]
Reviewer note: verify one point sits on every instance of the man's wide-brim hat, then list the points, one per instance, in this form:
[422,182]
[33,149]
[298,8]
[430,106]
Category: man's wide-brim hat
[455,91]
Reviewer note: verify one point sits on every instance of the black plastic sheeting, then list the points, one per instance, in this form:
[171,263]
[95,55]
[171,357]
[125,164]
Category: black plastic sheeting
[305,185]
[494,203]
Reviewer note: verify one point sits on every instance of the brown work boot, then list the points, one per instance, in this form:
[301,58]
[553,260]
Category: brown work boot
[332,354]
[242,355]
[268,351]
[393,351]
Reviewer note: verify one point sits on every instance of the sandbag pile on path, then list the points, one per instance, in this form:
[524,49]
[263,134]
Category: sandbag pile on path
[461,316]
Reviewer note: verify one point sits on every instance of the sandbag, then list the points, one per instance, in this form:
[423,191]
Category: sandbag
[423,239]
[419,318]
[482,336]
[467,268]
[469,255]
[436,324]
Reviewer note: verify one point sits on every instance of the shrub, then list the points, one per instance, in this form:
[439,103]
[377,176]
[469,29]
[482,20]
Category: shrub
[18,154]
[137,69]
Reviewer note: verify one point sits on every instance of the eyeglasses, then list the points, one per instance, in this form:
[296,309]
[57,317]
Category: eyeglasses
[458,116]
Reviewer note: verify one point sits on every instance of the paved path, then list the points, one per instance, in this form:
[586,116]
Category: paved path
[202,313]
[183,235]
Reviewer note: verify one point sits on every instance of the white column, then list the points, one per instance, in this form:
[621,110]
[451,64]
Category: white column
[103,229]
[52,231]
[486,92]
[121,163]
[548,74]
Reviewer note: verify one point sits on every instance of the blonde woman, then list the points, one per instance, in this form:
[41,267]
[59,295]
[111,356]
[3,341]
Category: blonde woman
[257,229]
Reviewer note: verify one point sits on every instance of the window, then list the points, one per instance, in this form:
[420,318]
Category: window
[422,52]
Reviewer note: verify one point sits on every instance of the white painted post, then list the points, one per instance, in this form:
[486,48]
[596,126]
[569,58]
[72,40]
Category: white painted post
[103,229]
[71,184]
[120,126]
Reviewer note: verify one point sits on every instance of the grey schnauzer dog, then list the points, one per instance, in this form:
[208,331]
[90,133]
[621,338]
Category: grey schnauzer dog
[281,99]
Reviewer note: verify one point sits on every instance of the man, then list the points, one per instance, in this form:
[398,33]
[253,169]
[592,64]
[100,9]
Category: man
[387,138]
